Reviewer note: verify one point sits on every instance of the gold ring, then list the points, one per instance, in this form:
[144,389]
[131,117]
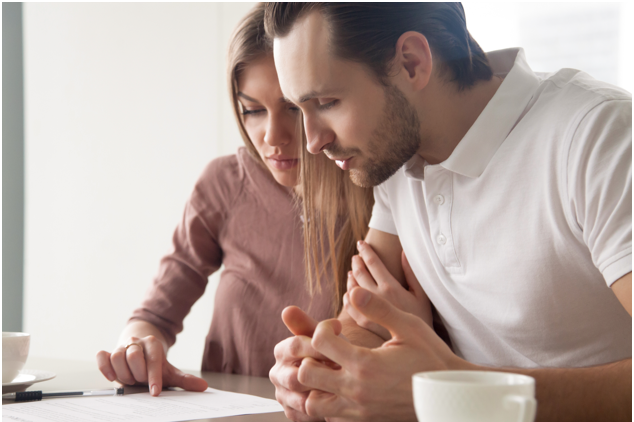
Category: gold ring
[133,344]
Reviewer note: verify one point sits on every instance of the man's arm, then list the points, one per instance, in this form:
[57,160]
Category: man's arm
[622,288]
[600,393]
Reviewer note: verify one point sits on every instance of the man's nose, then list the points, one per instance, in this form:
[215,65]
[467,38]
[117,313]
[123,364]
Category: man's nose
[317,135]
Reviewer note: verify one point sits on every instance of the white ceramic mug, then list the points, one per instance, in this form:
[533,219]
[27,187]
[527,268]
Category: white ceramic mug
[474,396]
[15,350]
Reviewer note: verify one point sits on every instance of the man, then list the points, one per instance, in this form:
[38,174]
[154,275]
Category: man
[510,194]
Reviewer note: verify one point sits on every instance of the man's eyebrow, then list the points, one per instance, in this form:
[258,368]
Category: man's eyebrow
[246,97]
[315,94]
[308,96]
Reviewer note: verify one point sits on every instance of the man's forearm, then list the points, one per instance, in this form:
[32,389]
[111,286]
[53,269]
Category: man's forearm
[357,335]
[599,393]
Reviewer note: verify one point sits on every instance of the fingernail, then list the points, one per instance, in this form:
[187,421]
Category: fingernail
[155,390]
[361,297]
[349,275]
[360,244]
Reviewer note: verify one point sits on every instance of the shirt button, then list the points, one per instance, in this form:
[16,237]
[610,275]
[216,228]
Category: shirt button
[441,239]
[439,199]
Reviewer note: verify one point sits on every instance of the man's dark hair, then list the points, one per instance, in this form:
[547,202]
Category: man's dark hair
[367,33]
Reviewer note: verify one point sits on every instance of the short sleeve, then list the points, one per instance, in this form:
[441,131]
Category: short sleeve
[600,185]
[382,218]
[196,250]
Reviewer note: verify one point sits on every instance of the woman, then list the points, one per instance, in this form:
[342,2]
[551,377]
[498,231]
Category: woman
[243,214]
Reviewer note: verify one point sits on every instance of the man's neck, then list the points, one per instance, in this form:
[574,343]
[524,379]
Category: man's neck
[447,114]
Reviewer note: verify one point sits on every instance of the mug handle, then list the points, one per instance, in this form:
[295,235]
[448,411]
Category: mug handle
[527,405]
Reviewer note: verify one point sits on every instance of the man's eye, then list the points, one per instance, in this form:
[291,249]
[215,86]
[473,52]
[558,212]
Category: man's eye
[246,112]
[328,105]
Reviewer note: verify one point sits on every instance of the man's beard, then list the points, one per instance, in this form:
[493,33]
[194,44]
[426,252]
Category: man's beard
[394,141]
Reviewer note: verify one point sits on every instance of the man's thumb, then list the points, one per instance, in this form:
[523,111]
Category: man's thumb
[300,323]
[380,311]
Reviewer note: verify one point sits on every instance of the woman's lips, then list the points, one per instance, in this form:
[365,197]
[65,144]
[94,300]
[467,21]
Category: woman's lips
[283,164]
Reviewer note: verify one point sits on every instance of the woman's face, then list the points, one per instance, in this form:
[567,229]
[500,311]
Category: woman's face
[269,120]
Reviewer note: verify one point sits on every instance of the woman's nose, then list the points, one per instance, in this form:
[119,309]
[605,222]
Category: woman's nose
[278,131]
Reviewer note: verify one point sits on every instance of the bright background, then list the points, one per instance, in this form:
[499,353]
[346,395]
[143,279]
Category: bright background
[126,103]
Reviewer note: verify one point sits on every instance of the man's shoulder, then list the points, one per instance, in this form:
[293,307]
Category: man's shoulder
[577,90]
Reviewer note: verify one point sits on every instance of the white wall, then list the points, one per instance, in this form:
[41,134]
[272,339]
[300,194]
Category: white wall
[595,37]
[125,104]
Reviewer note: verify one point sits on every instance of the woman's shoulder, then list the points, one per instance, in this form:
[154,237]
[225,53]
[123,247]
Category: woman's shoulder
[231,168]
[220,181]
[225,178]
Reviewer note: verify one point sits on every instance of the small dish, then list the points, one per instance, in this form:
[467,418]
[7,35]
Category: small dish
[26,378]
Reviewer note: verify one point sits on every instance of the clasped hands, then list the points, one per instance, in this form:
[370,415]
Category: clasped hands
[320,375]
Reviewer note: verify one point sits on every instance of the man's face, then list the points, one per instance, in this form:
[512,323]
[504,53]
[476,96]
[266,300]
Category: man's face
[367,128]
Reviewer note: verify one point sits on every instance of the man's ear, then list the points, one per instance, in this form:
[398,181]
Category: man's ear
[412,63]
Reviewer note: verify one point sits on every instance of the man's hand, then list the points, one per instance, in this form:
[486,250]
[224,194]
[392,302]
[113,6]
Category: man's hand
[372,384]
[369,272]
[145,362]
[289,354]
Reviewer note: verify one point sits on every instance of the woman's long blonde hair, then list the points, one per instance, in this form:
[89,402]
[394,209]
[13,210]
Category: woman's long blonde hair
[248,44]
[336,214]
[335,211]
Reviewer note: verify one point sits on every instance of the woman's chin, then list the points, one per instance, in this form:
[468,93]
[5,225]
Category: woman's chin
[285,178]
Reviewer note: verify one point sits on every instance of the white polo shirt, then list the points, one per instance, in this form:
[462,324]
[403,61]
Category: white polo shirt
[518,235]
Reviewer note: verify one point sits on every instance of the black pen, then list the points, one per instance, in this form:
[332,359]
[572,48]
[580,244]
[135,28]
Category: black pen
[39,395]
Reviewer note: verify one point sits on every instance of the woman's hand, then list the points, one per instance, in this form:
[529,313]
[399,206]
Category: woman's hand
[369,272]
[144,361]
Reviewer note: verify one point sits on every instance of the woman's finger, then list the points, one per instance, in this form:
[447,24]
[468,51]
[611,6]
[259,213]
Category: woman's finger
[351,283]
[120,365]
[376,268]
[104,365]
[154,360]
[361,275]
[135,356]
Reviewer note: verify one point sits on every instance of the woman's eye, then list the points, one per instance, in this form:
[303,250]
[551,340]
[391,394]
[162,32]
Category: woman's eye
[294,109]
[246,112]
[327,105]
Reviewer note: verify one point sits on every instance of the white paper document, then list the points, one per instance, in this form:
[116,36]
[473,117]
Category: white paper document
[170,406]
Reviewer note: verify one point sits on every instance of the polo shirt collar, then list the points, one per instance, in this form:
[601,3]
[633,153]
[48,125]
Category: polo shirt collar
[501,114]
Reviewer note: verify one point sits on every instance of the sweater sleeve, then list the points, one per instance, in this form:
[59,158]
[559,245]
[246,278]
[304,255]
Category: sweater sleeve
[196,249]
